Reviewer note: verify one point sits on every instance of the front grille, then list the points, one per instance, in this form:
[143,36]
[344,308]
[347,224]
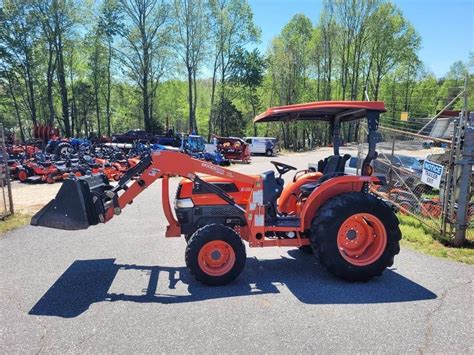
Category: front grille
[224,186]
[222,211]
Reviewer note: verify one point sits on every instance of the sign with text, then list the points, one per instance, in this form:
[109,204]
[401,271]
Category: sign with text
[432,174]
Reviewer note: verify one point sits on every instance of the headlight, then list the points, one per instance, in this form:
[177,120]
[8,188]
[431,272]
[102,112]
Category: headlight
[183,203]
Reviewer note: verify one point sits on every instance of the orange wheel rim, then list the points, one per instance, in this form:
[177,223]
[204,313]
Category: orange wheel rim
[362,239]
[216,258]
[22,175]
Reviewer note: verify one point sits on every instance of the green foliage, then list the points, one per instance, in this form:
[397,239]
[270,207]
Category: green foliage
[417,236]
[234,122]
[93,65]
[12,222]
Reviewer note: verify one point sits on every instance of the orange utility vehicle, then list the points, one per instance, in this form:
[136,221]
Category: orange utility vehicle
[354,233]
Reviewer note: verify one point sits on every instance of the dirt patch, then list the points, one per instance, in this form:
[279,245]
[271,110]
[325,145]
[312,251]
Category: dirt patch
[29,198]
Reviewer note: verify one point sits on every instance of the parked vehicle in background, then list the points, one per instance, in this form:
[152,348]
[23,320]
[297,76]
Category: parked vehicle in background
[407,163]
[262,145]
[134,135]
[406,171]
[170,139]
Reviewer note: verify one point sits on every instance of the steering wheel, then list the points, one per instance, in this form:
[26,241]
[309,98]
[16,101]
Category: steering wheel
[282,168]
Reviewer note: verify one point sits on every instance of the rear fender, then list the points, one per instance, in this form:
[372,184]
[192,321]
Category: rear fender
[288,199]
[331,188]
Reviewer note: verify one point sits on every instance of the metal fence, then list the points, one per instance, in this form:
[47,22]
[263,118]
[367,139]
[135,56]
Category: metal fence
[402,154]
[6,200]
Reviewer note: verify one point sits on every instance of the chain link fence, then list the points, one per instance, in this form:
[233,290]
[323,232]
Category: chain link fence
[434,202]
[6,200]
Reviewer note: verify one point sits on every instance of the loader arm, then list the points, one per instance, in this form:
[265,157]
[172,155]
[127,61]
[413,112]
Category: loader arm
[96,201]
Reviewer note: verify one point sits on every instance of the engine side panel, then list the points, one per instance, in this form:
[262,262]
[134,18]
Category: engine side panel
[239,191]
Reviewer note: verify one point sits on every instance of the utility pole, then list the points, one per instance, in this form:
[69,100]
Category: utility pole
[465,165]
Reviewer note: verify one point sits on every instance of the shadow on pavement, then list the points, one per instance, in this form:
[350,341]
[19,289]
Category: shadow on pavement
[88,281]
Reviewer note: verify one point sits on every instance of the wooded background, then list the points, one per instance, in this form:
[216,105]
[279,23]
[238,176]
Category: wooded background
[99,67]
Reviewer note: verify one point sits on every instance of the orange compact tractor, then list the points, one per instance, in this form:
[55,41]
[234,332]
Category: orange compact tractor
[354,233]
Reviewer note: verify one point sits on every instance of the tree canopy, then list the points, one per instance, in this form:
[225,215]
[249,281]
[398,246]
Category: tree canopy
[193,65]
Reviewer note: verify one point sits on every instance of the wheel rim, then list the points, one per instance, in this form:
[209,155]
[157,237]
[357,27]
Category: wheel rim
[362,239]
[65,150]
[22,176]
[216,258]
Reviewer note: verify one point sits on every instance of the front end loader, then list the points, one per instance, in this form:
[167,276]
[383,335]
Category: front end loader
[354,233]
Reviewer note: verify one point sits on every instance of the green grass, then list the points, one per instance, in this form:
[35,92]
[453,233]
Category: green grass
[12,222]
[419,237]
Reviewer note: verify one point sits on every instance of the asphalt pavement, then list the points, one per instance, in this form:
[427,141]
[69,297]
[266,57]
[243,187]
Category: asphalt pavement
[123,288]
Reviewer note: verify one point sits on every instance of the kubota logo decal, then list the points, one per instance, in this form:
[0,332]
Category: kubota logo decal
[213,167]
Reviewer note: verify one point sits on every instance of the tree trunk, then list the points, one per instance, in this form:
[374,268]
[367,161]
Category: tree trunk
[213,94]
[190,99]
[49,83]
[146,106]
[109,88]
[73,96]
[195,100]
[62,85]
[17,109]
[31,90]
[222,95]
[97,106]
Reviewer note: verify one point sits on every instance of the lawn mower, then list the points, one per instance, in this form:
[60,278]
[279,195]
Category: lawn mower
[354,233]
[37,172]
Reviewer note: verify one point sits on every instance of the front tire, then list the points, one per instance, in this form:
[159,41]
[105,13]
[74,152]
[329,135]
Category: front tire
[215,255]
[356,236]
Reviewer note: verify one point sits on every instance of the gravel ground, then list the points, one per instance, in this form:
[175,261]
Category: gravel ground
[122,287]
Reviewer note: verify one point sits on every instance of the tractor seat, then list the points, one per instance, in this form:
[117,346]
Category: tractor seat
[272,187]
[332,166]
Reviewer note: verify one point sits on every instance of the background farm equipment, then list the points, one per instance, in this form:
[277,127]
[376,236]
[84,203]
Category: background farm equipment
[195,146]
[233,148]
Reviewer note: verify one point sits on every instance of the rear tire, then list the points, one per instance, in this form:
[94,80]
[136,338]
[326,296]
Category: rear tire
[215,255]
[63,149]
[269,153]
[307,249]
[334,232]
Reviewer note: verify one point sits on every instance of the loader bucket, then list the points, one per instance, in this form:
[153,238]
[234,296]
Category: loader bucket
[78,204]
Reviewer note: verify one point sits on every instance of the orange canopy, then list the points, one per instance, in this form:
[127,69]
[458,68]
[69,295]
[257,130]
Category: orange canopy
[321,111]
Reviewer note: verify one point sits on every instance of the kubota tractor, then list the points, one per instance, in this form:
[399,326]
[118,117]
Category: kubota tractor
[354,233]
